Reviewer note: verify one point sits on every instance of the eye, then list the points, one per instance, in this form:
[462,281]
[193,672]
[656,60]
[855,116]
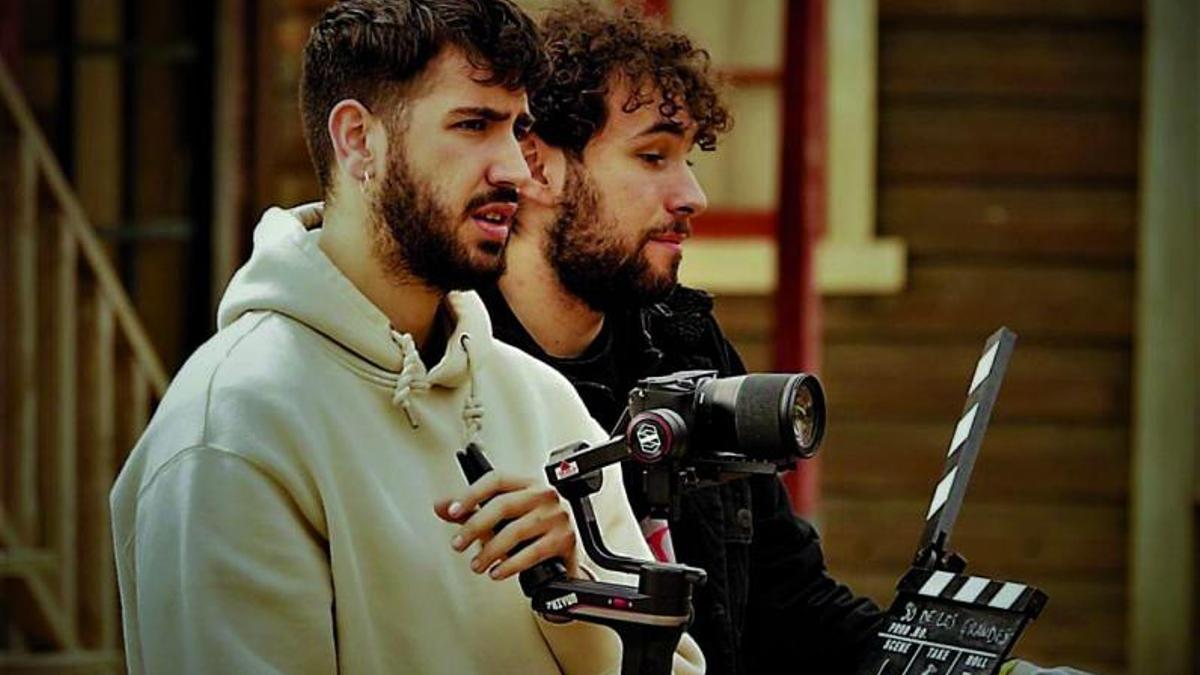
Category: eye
[652,158]
[474,124]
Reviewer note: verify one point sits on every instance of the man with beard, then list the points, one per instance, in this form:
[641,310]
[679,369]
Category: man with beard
[591,290]
[296,505]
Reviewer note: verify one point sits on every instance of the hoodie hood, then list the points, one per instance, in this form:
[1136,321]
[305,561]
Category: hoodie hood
[288,273]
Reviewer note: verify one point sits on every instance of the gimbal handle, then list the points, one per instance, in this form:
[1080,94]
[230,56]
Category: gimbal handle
[576,471]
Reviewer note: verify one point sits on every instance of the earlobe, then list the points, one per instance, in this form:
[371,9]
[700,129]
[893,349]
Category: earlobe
[349,124]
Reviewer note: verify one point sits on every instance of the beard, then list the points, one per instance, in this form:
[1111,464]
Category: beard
[415,235]
[592,261]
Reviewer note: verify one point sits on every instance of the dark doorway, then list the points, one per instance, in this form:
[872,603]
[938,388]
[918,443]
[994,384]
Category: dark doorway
[123,90]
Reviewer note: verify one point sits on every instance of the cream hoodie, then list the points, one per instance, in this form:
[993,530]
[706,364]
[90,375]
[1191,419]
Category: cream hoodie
[277,514]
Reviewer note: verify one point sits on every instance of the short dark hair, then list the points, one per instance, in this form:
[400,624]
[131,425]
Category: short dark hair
[370,50]
[590,48]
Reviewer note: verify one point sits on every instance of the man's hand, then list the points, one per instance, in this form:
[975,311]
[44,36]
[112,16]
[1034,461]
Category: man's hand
[534,514]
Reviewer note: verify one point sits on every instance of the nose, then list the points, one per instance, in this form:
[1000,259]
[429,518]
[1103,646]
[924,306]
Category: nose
[687,198]
[509,167]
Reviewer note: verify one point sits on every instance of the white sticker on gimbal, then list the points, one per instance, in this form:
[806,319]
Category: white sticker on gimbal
[559,604]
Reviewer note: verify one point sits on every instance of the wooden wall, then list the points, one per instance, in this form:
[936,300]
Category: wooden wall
[1008,154]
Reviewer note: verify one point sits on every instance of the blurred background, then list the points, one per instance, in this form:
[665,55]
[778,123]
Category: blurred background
[904,177]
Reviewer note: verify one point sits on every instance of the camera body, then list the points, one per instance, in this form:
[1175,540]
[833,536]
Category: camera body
[693,428]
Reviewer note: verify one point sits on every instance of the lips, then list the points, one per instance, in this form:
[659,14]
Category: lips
[672,239]
[495,218]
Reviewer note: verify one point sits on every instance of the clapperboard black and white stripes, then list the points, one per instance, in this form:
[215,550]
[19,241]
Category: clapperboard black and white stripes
[1006,595]
[945,622]
[968,435]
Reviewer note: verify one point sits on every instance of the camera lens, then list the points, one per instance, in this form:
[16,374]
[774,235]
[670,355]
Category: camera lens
[776,417]
[803,424]
[805,412]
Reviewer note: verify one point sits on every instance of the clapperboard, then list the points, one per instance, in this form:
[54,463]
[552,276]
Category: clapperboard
[943,621]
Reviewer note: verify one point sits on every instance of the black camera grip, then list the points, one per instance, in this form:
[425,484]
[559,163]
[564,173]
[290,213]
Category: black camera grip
[475,465]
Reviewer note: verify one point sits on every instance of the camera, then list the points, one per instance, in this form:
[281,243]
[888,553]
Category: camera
[679,431]
[693,428]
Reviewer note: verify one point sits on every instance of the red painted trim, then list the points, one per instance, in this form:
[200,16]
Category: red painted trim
[732,223]
[802,212]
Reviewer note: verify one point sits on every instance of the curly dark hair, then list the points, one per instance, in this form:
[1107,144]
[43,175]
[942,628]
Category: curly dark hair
[591,49]
[372,50]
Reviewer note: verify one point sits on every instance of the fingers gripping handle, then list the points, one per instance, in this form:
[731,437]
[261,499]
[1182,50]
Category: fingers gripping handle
[475,466]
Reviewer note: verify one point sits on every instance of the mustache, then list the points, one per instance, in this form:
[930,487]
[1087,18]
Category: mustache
[680,227]
[501,194]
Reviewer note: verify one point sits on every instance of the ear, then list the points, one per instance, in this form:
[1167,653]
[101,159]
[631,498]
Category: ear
[547,165]
[351,131]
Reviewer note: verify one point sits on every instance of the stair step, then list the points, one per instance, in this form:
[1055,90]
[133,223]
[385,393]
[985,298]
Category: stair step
[22,562]
[67,663]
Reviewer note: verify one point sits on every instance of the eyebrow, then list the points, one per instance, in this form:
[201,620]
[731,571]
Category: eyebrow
[663,127]
[490,114]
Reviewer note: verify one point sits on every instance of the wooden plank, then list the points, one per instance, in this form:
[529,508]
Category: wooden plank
[25,317]
[297,185]
[162,273]
[288,130]
[64,663]
[866,460]
[927,382]
[9,163]
[96,585]
[745,316]
[47,415]
[26,562]
[988,142]
[1007,62]
[757,354]
[99,143]
[957,300]
[1083,624]
[1022,540]
[61,481]
[268,148]
[1075,10]
[1060,223]
[232,147]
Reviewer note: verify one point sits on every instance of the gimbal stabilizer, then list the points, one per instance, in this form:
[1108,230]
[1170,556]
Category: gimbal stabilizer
[649,618]
[675,428]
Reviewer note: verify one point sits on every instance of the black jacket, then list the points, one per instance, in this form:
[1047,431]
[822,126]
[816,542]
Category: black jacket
[768,604]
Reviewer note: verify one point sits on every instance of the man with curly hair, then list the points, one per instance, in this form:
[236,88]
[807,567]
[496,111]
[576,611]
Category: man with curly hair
[591,289]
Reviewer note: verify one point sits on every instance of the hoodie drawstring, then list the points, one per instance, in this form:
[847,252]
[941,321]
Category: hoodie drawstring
[472,409]
[411,380]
